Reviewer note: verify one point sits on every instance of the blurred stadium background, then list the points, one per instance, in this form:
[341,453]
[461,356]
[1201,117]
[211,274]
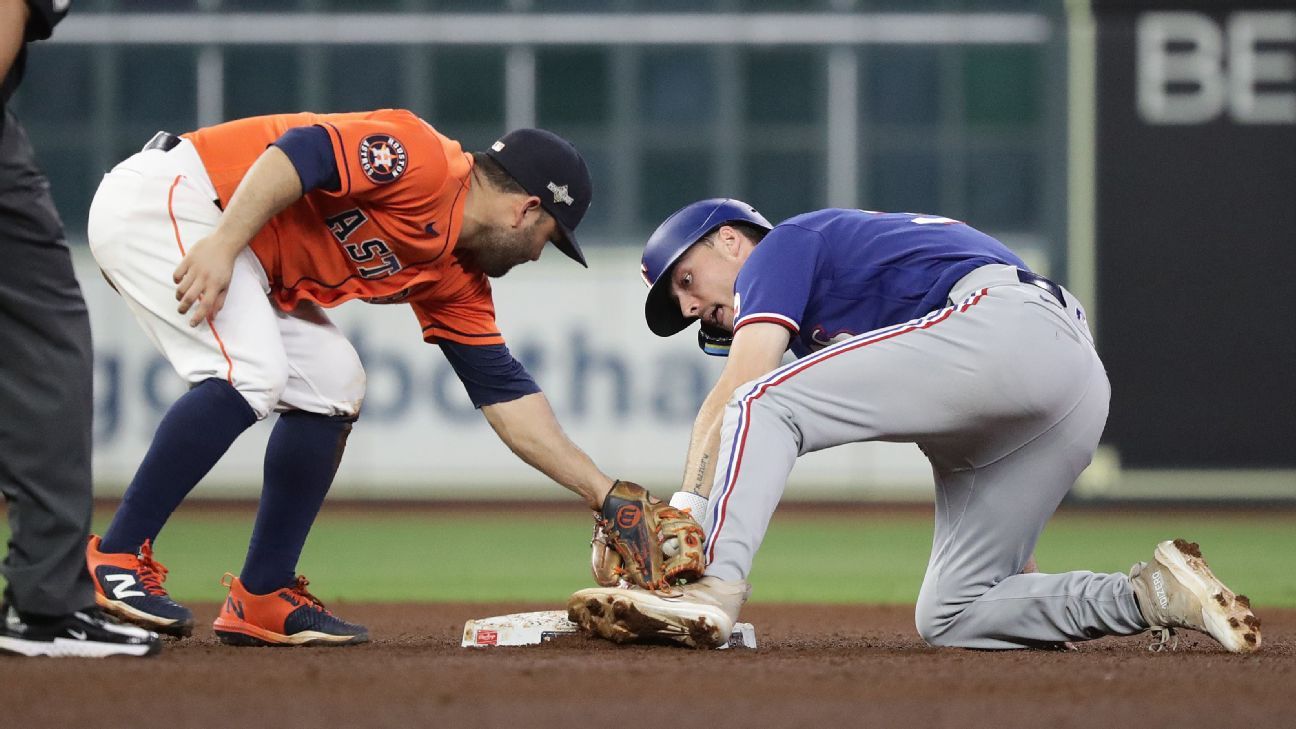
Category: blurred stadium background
[1147,160]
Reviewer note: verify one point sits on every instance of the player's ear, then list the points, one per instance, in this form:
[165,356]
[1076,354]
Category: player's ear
[730,238]
[523,206]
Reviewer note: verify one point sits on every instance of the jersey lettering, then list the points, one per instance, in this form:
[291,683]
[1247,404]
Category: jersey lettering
[370,250]
[345,223]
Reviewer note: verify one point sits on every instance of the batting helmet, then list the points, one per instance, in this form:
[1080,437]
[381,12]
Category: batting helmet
[677,234]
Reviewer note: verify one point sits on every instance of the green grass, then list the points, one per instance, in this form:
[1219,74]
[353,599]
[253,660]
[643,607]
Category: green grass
[873,558]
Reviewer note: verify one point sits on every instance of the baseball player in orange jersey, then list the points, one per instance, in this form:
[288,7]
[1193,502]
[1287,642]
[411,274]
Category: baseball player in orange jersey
[253,227]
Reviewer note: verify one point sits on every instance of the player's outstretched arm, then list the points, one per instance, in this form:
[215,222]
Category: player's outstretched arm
[757,349]
[202,278]
[529,428]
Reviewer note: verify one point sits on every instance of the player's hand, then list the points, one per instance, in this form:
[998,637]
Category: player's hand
[203,278]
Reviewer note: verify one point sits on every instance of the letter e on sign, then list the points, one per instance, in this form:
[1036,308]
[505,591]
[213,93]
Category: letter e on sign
[1190,70]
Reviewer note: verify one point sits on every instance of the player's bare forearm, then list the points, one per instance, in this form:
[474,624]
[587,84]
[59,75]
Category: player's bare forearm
[13,24]
[756,349]
[270,185]
[529,428]
[699,466]
[203,276]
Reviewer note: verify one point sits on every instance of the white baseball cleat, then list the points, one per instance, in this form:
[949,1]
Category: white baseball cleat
[1177,590]
[700,615]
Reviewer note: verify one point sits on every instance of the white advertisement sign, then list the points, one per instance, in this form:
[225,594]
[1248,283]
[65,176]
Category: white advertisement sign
[626,397]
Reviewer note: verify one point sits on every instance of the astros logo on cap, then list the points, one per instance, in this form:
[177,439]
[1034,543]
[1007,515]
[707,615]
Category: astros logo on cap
[382,157]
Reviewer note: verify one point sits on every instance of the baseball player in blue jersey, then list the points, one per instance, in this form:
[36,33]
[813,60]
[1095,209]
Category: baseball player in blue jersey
[908,328]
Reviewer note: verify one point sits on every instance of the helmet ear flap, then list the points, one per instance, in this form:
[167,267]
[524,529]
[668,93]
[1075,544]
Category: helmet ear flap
[715,342]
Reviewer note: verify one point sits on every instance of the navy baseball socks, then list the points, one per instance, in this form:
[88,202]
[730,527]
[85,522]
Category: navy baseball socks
[301,459]
[193,435]
[201,425]
[268,605]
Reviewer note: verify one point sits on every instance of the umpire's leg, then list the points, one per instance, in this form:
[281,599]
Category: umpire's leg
[46,396]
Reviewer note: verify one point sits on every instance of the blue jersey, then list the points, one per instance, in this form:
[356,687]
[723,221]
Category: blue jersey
[832,274]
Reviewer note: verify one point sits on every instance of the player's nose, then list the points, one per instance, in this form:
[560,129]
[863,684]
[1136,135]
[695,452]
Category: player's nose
[689,306]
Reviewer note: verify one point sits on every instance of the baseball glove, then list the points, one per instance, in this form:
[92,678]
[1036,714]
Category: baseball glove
[645,542]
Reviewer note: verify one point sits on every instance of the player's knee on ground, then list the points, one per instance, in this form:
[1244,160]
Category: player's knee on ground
[934,619]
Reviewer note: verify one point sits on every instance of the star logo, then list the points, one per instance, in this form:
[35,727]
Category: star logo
[560,193]
[382,157]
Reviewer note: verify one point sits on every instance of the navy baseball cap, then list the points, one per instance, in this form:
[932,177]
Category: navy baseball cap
[549,167]
[675,235]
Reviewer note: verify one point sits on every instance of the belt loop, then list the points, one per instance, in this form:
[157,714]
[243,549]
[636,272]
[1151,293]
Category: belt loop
[1035,279]
[165,141]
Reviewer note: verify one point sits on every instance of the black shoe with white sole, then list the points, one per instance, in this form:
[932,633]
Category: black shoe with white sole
[83,634]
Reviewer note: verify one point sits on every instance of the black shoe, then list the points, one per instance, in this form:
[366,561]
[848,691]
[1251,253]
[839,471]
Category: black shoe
[83,634]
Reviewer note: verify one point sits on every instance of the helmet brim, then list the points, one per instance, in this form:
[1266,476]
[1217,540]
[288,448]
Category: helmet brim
[661,308]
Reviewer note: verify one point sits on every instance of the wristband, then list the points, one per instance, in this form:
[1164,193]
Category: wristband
[695,504]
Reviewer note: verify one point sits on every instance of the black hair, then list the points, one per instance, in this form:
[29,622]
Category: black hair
[495,175]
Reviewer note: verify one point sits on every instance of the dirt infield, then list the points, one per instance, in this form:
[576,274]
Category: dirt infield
[817,666]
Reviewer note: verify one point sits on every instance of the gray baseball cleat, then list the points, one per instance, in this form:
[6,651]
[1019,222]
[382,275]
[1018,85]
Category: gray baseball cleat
[700,615]
[1177,590]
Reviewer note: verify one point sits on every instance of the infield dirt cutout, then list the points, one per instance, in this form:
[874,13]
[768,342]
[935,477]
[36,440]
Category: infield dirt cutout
[817,666]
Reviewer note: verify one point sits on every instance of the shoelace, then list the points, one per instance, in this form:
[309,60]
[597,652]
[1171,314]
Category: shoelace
[152,573]
[1164,639]
[299,588]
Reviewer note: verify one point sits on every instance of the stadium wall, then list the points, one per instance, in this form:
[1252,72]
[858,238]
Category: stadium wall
[625,396]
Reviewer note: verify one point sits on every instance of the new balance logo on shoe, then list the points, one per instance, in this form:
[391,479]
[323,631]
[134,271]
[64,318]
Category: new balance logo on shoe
[234,606]
[124,584]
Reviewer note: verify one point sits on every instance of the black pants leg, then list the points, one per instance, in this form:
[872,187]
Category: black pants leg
[46,396]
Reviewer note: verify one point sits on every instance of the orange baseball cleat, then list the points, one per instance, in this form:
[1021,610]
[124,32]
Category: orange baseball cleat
[129,586]
[288,616]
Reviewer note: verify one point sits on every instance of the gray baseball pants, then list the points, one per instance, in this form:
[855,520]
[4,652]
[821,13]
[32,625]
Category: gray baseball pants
[1004,393]
[46,396]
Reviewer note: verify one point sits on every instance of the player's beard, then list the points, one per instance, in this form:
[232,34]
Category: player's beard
[498,250]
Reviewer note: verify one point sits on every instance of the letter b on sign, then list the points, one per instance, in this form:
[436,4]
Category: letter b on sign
[1191,70]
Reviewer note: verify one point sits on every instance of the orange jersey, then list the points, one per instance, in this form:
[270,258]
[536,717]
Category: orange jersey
[386,236]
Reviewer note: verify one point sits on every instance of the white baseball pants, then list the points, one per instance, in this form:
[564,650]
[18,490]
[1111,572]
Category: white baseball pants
[149,210]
